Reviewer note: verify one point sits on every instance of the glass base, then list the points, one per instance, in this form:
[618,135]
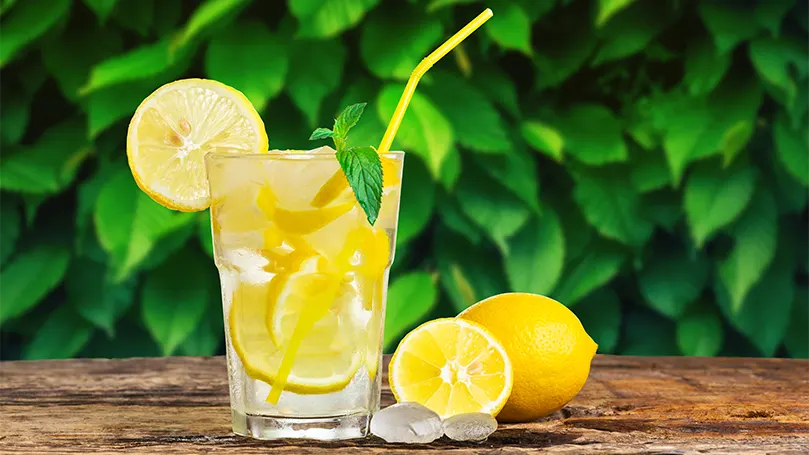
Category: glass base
[334,428]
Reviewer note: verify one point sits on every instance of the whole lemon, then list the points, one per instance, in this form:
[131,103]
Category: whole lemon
[549,350]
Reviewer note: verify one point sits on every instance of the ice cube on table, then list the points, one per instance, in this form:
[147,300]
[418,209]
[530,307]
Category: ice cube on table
[474,426]
[407,422]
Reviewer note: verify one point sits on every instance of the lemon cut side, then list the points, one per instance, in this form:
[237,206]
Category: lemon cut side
[452,366]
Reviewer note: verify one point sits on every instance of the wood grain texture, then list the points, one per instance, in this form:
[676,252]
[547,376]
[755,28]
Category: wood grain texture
[630,405]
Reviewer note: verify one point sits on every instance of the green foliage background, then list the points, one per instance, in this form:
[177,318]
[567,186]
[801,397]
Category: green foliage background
[643,161]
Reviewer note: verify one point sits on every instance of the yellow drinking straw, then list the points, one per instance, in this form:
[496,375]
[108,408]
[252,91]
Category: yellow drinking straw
[316,308]
[422,68]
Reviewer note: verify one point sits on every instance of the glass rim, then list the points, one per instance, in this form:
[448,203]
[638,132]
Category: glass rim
[301,155]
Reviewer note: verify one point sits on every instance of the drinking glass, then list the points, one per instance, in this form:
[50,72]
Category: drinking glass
[304,278]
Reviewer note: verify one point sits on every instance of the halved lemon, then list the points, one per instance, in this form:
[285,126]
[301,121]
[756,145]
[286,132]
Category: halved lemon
[452,366]
[173,129]
[314,370]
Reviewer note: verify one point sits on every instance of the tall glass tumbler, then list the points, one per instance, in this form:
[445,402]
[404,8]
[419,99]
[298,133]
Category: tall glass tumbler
[304,278]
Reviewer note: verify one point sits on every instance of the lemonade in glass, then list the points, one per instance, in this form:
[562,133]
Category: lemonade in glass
[303,282]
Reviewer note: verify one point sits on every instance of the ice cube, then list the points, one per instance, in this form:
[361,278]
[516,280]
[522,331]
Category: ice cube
[474,426]
[407,422]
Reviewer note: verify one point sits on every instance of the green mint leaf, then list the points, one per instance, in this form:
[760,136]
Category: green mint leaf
[321,133]
[348,118]
[363,169]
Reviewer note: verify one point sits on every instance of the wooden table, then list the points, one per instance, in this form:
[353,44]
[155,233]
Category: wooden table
[661,405]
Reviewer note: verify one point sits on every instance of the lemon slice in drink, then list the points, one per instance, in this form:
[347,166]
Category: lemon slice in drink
[452,366]
[315,371]
[173,129]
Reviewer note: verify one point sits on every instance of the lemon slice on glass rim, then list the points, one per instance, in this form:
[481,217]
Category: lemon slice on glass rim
[173,129]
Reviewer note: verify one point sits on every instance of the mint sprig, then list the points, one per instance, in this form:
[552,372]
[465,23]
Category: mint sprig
[361,165]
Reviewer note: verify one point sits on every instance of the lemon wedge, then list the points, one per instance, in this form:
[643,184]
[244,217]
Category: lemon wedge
[452,366]
[173,129]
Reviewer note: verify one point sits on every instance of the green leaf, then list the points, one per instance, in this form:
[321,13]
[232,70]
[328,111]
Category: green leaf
[86,196]
[476,123]
[600,264]
[511,28]
[790,195]
[61,336]
[649,171]
[792,148]
[207,16]
[5,5]
[647,334]
[612,206]
[168,244]
[208,336]
[468,272]
[417,200]
[424,131]
[50,165]
[537,255]
[70,68]
[322,133]
[435,5]
[704,66]
[315,69]
[773,59]
[713,198]
[10,226]
[728,24]
[328,18]
[544,138]
[348,119]
[250,58]
[516,171]
[204,231]
[393,43]
[700,333]
[101,8]
[769,14]
[137,15]
[28,21]
[631,30]
[450,169]
[734,140]
[454,219]
[363,169]
[96,298]
[411,297]
[491,206]
[600,314]
[14,116]
[130,340]
[129,223]
[30,277]
[173,300]
[371,129]
[797,336]
[755,234]
[765,313]
[671,280]
[140,63]
[694,128]
[498,87]
[572,44]
[592,134]
[607,8]
[663,208]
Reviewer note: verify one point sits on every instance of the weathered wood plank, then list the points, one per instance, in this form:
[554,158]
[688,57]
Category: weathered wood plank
[629,405]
